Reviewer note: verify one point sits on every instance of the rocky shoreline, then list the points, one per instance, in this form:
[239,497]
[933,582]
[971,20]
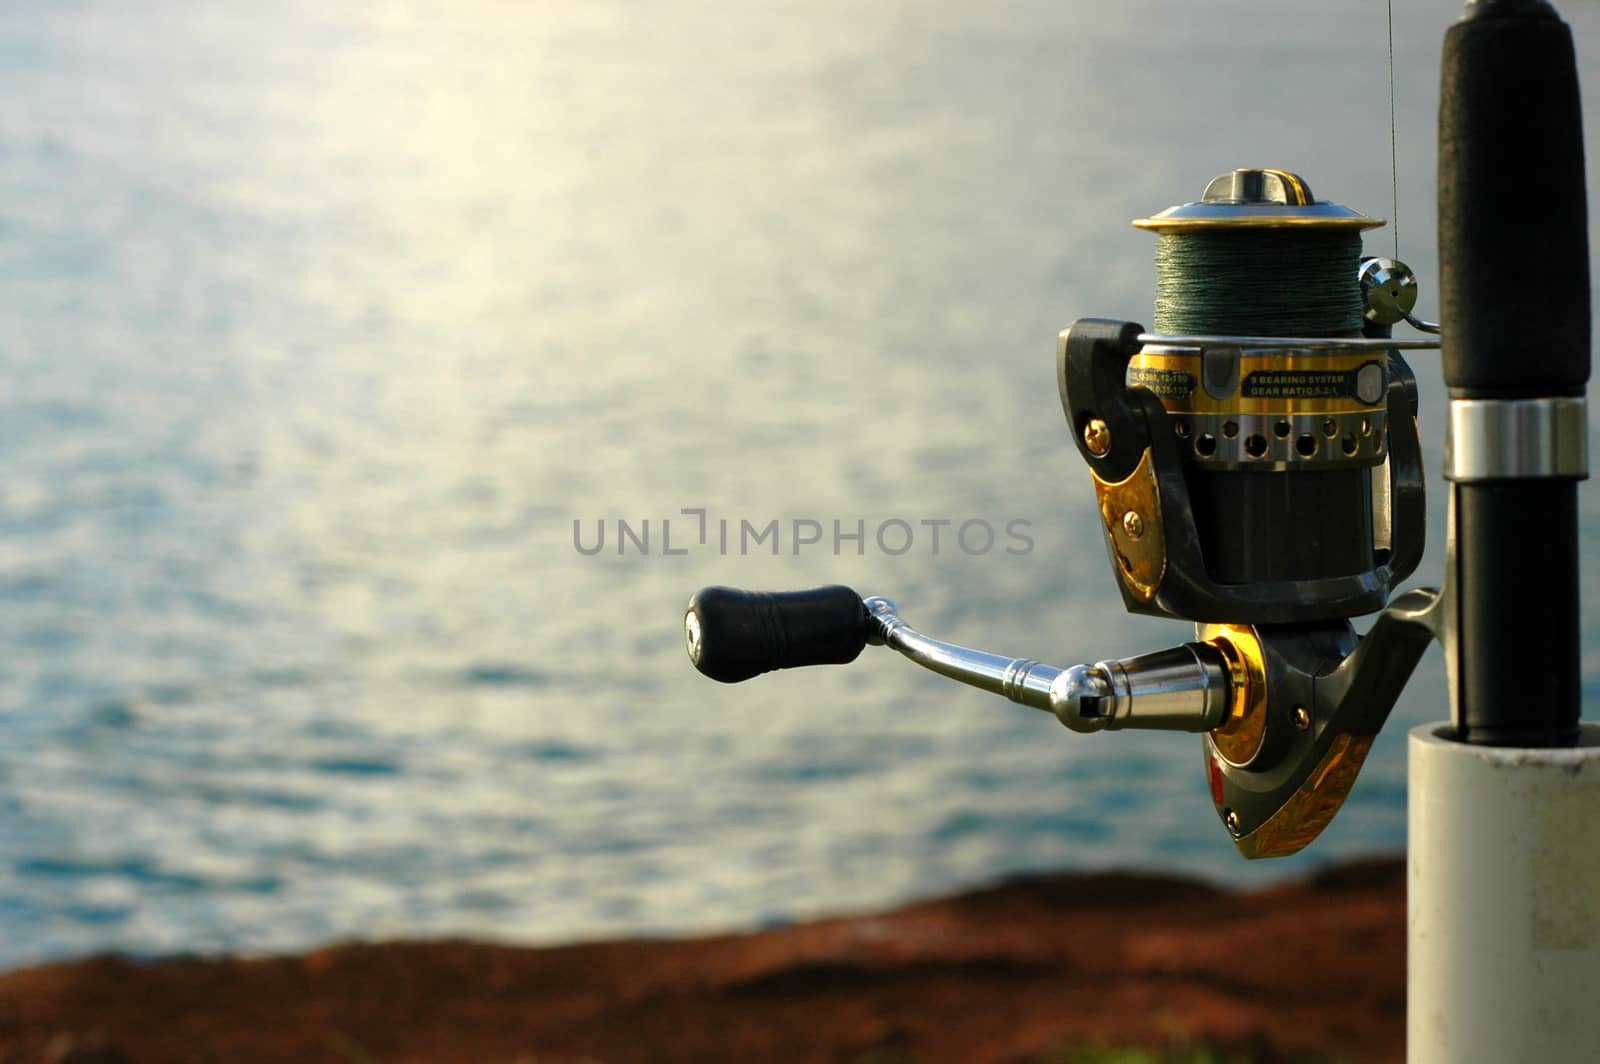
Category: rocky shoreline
[1039,969]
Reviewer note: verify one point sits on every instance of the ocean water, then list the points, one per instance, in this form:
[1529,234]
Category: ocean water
[323,326]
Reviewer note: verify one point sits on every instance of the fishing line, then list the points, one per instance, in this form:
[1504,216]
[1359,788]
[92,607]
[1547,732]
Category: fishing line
[1268,281]
[1394,149]
[1259,282]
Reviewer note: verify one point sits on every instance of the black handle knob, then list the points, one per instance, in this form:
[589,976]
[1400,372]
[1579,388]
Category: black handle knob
[733,635]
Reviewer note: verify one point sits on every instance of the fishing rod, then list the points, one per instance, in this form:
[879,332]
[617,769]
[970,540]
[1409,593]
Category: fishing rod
[1503,820]
[1256,463]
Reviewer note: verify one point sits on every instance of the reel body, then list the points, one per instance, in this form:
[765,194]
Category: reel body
[1323,540]
[1258,474]
[1287,472]
[1284,473]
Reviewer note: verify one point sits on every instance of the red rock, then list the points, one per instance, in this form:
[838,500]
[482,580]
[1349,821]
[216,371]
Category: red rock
[1016,972]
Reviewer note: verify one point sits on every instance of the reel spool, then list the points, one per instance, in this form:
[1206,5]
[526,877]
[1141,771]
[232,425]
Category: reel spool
[1277,476]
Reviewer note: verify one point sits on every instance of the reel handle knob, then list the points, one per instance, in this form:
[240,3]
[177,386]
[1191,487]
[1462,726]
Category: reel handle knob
[732,635]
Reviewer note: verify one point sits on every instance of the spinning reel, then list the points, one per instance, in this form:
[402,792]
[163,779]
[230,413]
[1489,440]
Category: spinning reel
[1258,473]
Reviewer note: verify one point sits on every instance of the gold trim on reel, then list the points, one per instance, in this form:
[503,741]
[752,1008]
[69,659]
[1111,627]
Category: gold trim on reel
[1268,410]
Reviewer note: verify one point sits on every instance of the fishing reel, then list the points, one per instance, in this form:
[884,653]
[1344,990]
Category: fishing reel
[1258,473]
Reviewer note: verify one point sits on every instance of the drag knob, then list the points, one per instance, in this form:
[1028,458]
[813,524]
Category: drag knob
[733,635]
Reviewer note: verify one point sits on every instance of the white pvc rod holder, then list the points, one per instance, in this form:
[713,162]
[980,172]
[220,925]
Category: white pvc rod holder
[1502,901]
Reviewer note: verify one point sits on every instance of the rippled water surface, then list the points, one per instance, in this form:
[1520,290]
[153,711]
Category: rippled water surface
[321,325]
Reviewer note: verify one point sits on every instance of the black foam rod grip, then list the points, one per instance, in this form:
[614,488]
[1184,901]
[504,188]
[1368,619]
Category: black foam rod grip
[1513,218]
[733,635]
